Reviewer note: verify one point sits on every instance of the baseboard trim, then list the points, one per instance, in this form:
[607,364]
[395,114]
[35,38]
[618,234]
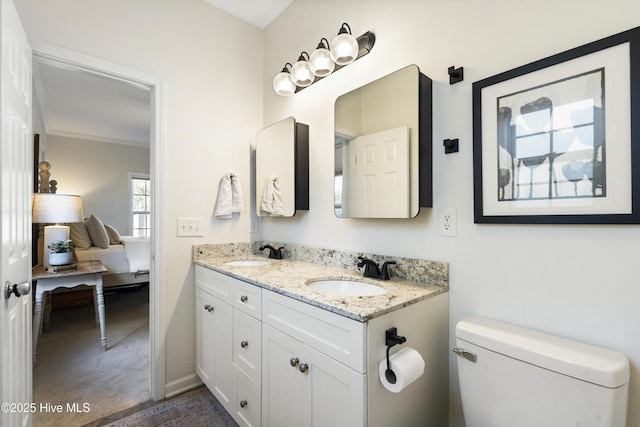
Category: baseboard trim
[182,385]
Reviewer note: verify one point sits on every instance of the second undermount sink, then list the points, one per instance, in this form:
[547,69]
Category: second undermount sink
[346,287]
[247,263]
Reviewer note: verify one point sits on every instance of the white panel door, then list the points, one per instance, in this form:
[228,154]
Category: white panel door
[16,156]
[382,174]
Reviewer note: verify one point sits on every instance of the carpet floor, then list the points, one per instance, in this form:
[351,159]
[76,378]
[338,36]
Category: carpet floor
[71,370]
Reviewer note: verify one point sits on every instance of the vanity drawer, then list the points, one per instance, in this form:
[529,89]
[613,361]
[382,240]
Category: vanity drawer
[247,344]
[248,400]
[338,337]
[246,297]
[215,283]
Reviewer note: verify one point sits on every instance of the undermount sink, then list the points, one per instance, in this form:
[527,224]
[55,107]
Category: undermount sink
[247,263]
[346,287]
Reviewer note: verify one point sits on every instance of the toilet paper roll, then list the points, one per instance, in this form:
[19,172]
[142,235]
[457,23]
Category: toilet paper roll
[406,364]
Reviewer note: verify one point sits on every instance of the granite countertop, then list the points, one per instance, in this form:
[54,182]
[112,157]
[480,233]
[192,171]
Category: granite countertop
[290,278]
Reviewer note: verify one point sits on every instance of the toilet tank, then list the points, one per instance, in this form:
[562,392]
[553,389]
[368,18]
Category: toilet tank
[512,376]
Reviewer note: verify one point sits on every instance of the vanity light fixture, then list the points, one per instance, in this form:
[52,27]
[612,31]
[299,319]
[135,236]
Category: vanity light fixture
[301,72]
[282,83]
[325,60]
[321,62]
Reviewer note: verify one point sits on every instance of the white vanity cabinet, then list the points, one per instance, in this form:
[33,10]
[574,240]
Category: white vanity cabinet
[229,342]
[275,361]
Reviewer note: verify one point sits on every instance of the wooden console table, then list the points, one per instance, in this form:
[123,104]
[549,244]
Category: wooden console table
[88,273]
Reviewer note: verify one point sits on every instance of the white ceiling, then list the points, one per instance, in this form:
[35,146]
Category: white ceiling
[257,12]
[79,104]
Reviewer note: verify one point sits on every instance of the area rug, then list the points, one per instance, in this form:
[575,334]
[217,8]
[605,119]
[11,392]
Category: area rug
[194,408]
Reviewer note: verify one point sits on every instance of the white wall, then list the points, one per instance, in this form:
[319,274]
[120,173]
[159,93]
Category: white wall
[211,63]
[99,172]
[575,281]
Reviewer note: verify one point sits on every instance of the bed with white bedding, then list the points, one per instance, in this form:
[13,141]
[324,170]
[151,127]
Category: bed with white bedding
[127,263]
[126,258]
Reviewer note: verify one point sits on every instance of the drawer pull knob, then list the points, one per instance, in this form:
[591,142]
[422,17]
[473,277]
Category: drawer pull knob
[243,403]
[244,298]
[244,344]
[294,361]
[303,367]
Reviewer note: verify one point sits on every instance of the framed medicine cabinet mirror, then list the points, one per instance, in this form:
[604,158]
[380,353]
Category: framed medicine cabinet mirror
[282,169]
[383,147]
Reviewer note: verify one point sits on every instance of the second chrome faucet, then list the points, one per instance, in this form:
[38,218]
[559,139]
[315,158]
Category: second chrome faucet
[371,269]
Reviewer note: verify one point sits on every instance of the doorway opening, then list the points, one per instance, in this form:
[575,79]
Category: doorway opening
[70,60]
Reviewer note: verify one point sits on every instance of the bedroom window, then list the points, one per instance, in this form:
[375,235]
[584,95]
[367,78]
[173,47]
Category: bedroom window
[140,205]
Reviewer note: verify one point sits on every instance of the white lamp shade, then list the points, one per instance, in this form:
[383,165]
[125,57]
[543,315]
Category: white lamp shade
[301,74]
[344,49]
[283,85]
[321,63]
[56,208]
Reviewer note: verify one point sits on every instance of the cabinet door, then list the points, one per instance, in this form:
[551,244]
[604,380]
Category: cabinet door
[317,392]
[282,381]
[334,394]
[214,338]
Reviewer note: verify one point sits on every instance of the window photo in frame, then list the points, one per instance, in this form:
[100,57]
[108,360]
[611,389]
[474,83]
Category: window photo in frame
[553,139]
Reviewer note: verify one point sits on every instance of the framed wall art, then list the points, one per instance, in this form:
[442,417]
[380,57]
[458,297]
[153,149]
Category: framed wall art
[557,141]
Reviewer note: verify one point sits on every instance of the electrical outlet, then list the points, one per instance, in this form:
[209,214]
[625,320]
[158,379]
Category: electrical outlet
[190,227]
[447,222]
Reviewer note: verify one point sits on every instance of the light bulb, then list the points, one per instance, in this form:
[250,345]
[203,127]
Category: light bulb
[344,47]
[301,73]
[282,83]
[320,61]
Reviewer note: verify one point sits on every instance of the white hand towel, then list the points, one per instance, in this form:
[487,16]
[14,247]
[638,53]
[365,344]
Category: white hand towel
[223,206]
[266,204]
[236,194]
[278,204]
[271,197]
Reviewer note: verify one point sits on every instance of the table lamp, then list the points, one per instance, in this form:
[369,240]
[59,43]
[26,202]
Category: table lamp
[55,209]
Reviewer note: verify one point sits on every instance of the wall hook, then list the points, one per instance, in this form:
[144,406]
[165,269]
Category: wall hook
[455,74]
[392,338]
[450,146]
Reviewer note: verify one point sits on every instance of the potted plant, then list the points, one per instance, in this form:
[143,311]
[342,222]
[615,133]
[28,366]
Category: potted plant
[60,252]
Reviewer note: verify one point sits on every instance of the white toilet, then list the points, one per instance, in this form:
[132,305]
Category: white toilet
[516,377]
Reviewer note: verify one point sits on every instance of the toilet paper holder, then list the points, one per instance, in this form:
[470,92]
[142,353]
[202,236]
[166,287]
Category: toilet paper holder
[391,339]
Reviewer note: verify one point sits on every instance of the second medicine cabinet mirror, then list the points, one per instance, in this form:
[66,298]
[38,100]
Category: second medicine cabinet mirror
[282,169]
[383,147]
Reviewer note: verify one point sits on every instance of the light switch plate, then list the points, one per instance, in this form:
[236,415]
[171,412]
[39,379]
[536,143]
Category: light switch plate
[190,227]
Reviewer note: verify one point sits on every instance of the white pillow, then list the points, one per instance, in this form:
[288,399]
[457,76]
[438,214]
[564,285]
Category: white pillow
[114,236]
[79,235]
[99,235]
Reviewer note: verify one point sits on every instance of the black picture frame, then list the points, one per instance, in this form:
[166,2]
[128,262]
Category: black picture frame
[557,141]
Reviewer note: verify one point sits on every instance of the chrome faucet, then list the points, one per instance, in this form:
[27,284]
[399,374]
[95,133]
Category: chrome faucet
[371,269]
[273,252]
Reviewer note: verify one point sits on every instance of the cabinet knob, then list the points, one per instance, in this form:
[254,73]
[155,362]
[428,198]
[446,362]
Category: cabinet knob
[244,344]
[208,307]
[244,298]
[294,361]
[303,367]
[243,403]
